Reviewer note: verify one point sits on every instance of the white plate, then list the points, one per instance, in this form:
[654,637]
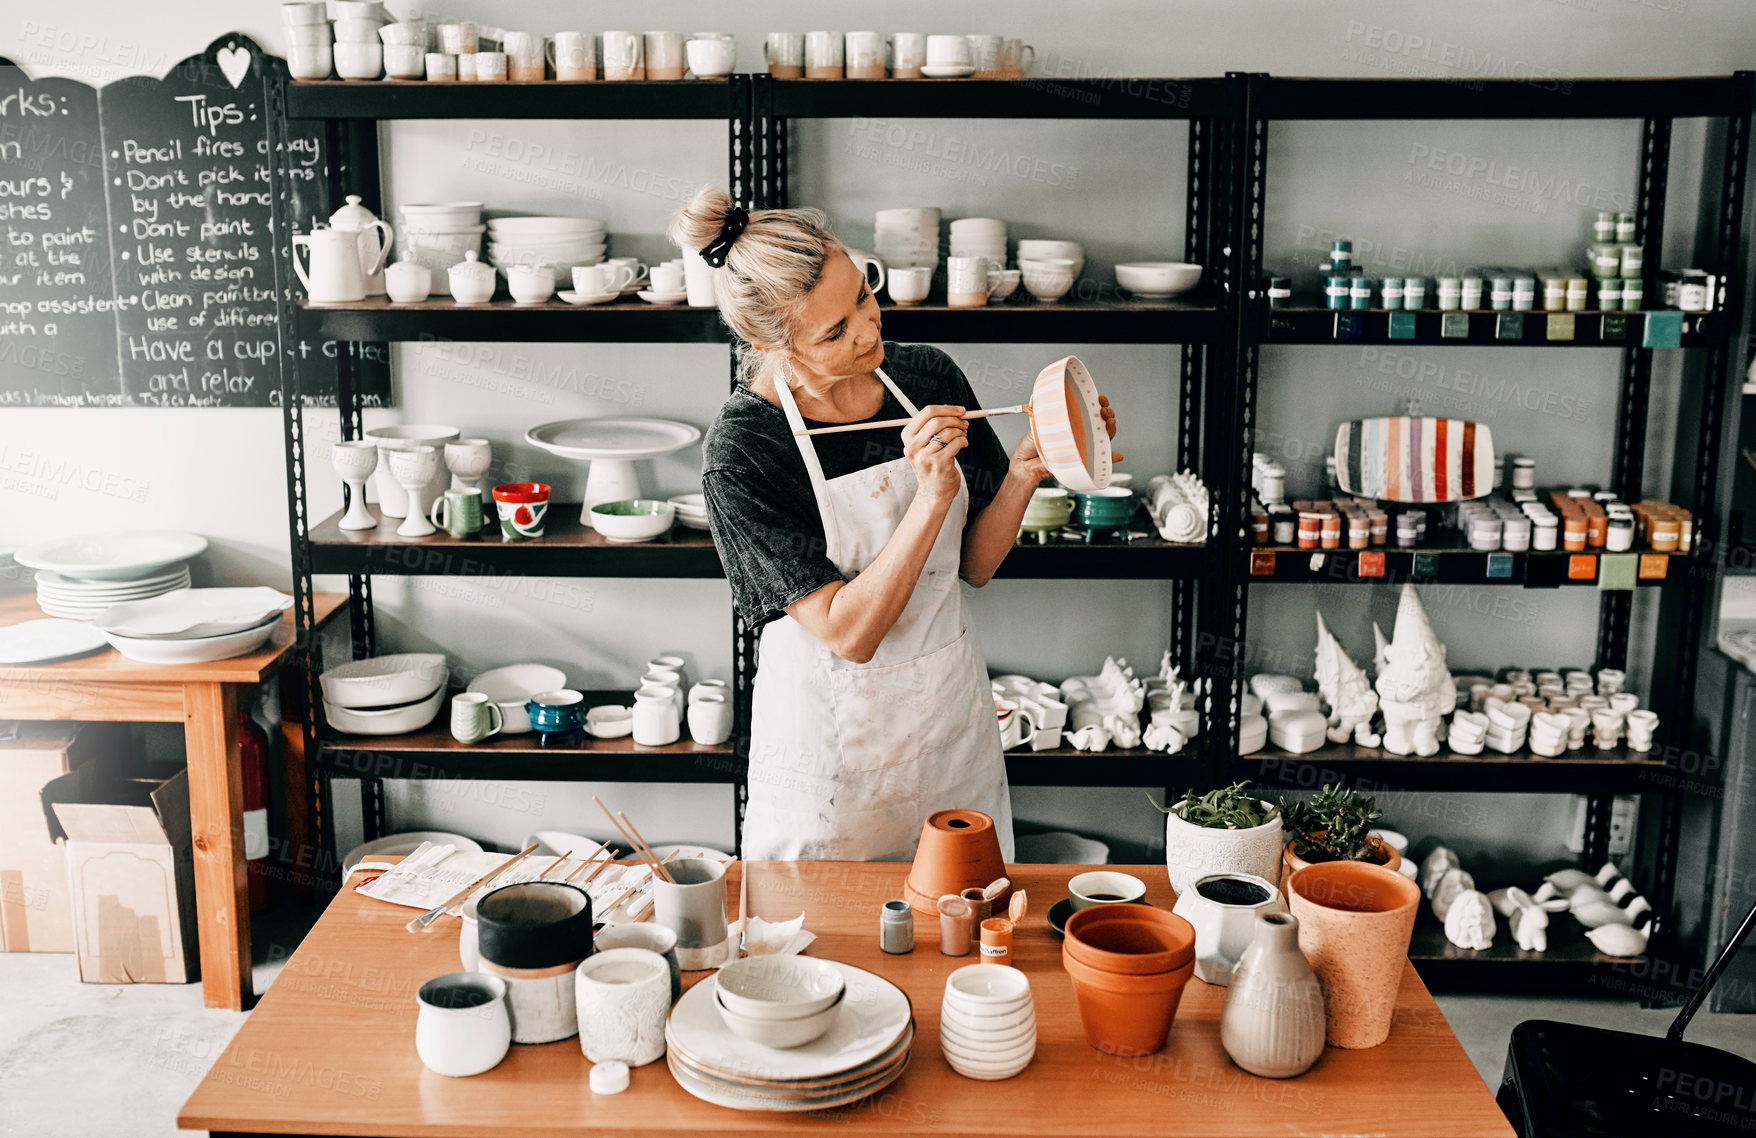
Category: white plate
[872,1016]
[937,71]
[120,596]
[755,1084]
[113,556]
[36,641]
[510,686]
[385,681]
[47,579]
[719,1096]
[572,297]
[385,720]
[397,845]
[625,439]
[662,297]
[195,651]
[186,614]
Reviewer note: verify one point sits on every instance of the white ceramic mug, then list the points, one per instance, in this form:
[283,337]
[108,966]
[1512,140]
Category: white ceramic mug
[474,716]
[633,265]
[693,905]
[526,53]
[866,263]
[710,719]
[310,60]
[1104,887]
[574,55]
[864,53]
[823,55]
[457,39]
[910,286]
[667,279]
[664,55]
[968,280]
[948,51]
[404,60]
[463,1027]
[698,279]
[491,67]
[669,679]
[711,57]
[624,53]
[530,284]
[908,53]
[623,998]
[708,687]
[466,67]
[1016,56]
[601,280]
[785,53]
[984,54]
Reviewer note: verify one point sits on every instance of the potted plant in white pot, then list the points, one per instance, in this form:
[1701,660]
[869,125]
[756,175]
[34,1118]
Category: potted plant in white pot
[1226,830]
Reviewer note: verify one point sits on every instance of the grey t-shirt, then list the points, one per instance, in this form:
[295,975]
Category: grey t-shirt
[759,501]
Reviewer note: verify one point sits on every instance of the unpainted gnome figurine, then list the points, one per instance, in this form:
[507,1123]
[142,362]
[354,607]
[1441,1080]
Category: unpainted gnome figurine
[1414,687]
[1352,702]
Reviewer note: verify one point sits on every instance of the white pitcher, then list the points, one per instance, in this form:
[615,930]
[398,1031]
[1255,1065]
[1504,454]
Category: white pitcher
[335,275]
[374,246]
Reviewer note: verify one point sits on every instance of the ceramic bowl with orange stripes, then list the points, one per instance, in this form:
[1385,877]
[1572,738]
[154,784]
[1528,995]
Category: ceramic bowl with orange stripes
[1068,425]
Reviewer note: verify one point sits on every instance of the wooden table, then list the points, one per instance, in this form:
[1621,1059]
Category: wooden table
[109,687]
[330,1048]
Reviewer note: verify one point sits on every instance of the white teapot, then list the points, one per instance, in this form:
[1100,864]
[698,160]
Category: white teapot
[335,275]
[374,247]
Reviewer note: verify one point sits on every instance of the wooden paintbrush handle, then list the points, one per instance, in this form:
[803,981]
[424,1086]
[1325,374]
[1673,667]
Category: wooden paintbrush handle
[844,428]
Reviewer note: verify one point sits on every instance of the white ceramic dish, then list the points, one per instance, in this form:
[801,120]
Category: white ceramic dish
[779,987]
[617,438]
[385,720]
[719,1095]
[533,228]
[661,297]
[113,556]
[948,71]
[575,298]
[610,721]
[197,651]
[510,686]
[779,1034]
[38,641]
[651,519]
[385,681]
[186,614]
[400,845]
[1153,280]
[47,579]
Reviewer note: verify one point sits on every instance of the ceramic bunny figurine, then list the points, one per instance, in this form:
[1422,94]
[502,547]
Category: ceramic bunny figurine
[1163,737]
[1414,687]
[1352,702]
[1527,918]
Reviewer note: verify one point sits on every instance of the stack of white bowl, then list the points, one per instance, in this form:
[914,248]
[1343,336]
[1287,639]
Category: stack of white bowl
[191,626]
[1036,249]
[385,695]
[980,237]
[988,1022]
[908,238]
[359,53]
[309,39]
[1049,268]
[438,235]
[561,243]
[691,510]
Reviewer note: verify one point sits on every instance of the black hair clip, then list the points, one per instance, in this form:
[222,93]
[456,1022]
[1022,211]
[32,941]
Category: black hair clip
[736,219]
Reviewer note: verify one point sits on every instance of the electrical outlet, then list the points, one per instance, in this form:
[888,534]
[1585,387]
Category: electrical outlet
[1624,812]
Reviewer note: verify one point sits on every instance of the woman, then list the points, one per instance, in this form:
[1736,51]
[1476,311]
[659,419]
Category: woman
[871,707]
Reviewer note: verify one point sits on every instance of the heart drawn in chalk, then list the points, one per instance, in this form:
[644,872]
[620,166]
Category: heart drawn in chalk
[234,63]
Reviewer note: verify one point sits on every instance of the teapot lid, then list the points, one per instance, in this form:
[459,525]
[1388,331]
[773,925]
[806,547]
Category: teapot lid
[352,215]
[469,265]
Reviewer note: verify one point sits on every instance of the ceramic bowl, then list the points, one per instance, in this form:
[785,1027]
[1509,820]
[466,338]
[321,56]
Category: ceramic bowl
[609,721]
[512,685]
[1109,508]
[1157,278]
[779,987]
[385,681]
[532,229]
[637,519]
[428,217]
[197,650]
[780,1033]
[1047,279]
[359,60]
[385,720]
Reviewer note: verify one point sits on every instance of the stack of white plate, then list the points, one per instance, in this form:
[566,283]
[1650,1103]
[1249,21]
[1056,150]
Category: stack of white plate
[980,237]
[192,626]
[385,695]
[437,235]
[691,510]
[864,1051]
[908,238]
[79,577]
[73,599]
[563,243]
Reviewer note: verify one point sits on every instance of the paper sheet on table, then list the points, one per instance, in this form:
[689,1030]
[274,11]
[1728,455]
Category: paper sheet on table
[770,938]
[426,885]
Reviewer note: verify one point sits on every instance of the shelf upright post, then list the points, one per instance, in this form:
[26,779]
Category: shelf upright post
[745,124]
[1204,183]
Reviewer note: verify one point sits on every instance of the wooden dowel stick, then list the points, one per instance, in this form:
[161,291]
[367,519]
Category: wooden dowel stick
[554,865]
[659,865]
[640,854]
[843,428]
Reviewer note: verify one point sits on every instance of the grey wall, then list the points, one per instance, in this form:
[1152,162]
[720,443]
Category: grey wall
[1116,188]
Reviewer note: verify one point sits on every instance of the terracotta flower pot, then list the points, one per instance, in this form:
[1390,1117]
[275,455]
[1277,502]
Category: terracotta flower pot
[1126,1015]
[1354,926]
[959,850]
[1292,862]
[1135,940]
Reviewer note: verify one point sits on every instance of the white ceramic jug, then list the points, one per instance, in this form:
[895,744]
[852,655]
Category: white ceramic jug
[374,246]
[335,275]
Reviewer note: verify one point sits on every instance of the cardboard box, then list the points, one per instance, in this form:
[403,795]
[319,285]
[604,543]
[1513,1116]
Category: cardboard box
[35,912]
[131,869]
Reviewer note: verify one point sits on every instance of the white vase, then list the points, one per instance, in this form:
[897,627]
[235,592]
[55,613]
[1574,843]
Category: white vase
[1273,1023]
[1193,852]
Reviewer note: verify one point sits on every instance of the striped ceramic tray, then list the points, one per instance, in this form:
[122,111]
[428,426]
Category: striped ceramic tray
[1412,459]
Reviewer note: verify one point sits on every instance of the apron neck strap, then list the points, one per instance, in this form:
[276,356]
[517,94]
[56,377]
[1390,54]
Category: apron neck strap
[808,449]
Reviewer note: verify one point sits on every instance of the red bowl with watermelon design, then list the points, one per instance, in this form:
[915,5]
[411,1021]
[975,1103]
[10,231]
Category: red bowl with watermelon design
[523,507]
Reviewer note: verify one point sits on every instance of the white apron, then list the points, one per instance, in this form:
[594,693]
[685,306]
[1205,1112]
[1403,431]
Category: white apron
[847,760]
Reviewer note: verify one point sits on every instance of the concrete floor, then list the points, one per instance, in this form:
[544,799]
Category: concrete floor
[96,1061]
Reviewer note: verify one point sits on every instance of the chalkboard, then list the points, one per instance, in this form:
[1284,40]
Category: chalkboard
[141,239]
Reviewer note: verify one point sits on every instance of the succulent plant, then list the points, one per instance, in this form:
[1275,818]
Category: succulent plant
[1334,825]
[1233,807]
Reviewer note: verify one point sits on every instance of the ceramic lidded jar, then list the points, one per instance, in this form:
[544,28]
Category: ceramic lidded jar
[1273,1023]
[374,237]
[1222,908]
[1192,852]
[408,282]
[472,282]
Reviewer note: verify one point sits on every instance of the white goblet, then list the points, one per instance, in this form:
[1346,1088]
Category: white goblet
[413,467]
[468,460]
[355,461]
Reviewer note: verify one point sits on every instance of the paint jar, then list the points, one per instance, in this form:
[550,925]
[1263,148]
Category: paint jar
[1500,294]
[1280,292]
[896,928]
[1484,533]
[1626,227]
[1620,535]
[1341,255]
[1633,294]
[1523,472]
[1391,292]
[1609,294]
[1420,525]
[980,909]
[956,924]
[1471,294]
[1606,260]
[1603,227]
[1523,294]
[1414,293]
[1359,532]
[1408,530]
[1544,533]
[1573,534]
[1380,522]
[1274,483]
[1554,294]
[1336,291]
[1259,527]
[1285,526]
[1310,529]
[1360,293]
[1450,293]
[1633,260]
[1578,294]
[1330,532]
[996,941]
[1666,534]
[1685,532]
[1515,534]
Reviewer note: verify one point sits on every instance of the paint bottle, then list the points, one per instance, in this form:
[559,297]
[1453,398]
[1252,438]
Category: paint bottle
[1336,291]
[1450,293]
[996,941]
[1391,292]
[1603,228]
[1360,293]
[1470,298]
[1280,292]
[1414,293]
[896,928]
[1341,255]
[1626,227]
[956,923]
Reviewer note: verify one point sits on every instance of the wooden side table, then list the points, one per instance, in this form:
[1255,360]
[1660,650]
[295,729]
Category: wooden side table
[108,687]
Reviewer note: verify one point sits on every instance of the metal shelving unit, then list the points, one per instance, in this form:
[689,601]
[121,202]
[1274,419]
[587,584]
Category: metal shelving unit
[1685,582]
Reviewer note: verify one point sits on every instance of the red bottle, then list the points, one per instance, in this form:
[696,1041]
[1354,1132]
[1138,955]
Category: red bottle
[253,759]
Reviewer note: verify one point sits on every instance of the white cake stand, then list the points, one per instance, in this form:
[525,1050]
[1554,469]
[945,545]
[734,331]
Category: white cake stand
[612,446]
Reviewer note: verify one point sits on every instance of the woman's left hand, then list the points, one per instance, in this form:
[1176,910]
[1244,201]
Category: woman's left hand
[1028,465]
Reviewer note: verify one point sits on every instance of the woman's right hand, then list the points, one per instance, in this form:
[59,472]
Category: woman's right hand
[935,463]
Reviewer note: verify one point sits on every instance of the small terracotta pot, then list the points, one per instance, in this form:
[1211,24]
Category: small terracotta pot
[1135,940]
[1354,926]
[959,850]
[1292,862]
[1126,1015]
